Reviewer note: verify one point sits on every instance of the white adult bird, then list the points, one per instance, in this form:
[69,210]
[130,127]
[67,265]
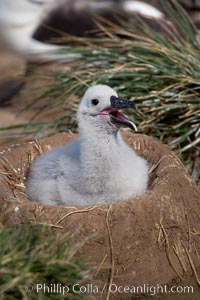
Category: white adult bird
[26,24]
[18,21]
[99,167]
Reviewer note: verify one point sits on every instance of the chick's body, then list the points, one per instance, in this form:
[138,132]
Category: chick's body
[99,167]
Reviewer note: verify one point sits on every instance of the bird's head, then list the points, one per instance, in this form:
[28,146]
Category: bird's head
[100,108]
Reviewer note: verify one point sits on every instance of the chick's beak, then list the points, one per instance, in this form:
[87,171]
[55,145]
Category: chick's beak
[122,103]
[116,116]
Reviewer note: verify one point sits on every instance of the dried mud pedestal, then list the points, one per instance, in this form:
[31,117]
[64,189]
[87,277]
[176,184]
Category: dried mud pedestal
[150,240]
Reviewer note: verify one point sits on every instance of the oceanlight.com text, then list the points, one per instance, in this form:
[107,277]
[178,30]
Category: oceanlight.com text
[57,288]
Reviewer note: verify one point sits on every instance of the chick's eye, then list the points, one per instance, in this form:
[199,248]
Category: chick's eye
[94,101]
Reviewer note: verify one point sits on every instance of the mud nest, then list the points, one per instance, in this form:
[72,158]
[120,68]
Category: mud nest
[152,239]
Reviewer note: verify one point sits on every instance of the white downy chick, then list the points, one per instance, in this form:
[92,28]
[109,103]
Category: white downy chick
[98,167]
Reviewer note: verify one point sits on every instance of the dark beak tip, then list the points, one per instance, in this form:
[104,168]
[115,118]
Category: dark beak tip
[122,103]
[134,107]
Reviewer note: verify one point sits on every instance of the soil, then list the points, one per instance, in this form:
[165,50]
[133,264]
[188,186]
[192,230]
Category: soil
[152,239]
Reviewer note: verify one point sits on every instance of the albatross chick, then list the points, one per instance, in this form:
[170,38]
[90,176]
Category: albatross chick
[98,167]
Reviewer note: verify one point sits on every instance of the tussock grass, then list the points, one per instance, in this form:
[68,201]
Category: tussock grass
[31,255]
